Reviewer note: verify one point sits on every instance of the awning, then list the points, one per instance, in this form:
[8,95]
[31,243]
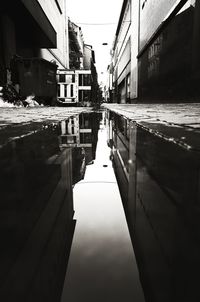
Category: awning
[33,27]
[40,17]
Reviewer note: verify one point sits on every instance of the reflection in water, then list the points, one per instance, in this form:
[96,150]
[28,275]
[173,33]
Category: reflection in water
[36,212]
[102,266]
[37,172]
[80,133]
[163,210]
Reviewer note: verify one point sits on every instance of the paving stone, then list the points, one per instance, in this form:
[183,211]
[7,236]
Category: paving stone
[177,123]
[16,122]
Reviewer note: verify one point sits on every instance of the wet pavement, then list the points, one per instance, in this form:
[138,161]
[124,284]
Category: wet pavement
[21,115]
[44,153]
[17,122]
[156,158]
[175,123]
[177,114]
[102,264]
[36,202]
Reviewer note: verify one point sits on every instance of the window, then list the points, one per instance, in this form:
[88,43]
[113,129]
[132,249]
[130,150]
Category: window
[84,79]
[80,80]
[72,91]
[58,90]
[65,90]
[62,78]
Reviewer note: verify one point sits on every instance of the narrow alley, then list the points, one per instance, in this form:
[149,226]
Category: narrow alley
[99,151]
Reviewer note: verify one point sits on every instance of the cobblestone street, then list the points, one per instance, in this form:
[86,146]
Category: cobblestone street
[10,116]
[178,123]
[16,122]
[157,163]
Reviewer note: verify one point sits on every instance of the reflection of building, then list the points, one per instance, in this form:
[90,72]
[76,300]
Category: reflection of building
[36,209]
[156,52]
[69,135]
[80,133]
[159,183]
[77,131]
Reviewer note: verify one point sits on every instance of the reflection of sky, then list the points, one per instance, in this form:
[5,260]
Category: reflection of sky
[102,266]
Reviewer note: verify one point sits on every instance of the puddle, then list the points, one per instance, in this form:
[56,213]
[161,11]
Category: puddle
[163,211]
[102,265]
[37,174]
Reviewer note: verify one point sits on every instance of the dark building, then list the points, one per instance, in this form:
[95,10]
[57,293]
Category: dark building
[89,63]
[29,38]
[36,211]
[156,52]
[158,180]
[24,30]
[75,46]
[168,60]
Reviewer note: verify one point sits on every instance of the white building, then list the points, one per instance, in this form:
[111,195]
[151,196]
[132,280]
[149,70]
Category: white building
[74,86]
[125,49]
[56,12]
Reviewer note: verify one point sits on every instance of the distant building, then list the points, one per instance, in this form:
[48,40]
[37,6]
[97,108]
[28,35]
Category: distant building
[76,46]
[78,85]
[74,86]
[109,84]
[89,63]
[124,61]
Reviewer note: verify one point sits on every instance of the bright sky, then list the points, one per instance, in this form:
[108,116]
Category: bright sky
[97,12]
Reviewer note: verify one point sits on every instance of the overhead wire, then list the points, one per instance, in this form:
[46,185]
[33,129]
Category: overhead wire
[80,23]
[101,24]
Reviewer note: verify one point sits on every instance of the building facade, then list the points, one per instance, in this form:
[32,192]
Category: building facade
[156,52]
[56,11]
[40,46]
[76,46]
[33,37]
[78,85]
[122,55]
[74,86]
[89,64]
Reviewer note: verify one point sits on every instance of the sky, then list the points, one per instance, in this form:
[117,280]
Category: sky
[88,14]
